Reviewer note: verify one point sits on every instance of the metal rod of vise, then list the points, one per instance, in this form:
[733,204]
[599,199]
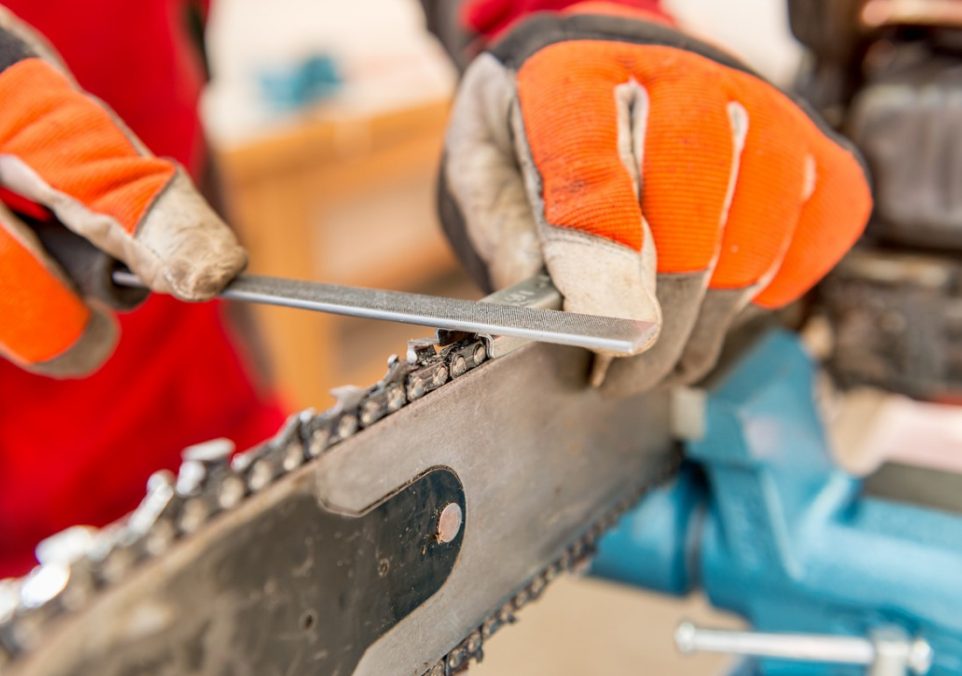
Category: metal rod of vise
[889,652]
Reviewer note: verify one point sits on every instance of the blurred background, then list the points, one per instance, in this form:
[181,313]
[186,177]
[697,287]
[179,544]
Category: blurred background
[326,120]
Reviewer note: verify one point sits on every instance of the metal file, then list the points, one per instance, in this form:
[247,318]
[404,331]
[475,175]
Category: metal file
[604,334]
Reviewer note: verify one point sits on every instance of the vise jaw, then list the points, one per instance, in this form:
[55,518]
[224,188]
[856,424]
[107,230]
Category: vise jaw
[766,523]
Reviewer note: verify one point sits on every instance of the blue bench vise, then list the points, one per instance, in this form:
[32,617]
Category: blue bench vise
[833,581]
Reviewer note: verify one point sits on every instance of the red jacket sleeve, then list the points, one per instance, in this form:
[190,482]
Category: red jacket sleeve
[488,18]
[465,27]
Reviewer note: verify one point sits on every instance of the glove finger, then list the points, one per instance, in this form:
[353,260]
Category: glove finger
[62,148]
[583,179]
[818,210]
[774,173]
[46,328]
[831,220]
[483,203]
[690,167]
[681,299]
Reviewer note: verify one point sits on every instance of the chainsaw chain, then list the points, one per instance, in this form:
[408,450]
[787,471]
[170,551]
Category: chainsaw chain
[80,562]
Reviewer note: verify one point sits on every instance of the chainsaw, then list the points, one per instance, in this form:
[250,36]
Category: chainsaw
[394,533]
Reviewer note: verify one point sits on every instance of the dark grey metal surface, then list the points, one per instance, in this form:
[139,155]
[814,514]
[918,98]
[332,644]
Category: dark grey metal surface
[897,319]
[89,268]
[297,589]
[619,336]
[938,489]
[541,457]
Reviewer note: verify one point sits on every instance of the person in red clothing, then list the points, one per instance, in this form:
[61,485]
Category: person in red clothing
[654,176]
[79,450]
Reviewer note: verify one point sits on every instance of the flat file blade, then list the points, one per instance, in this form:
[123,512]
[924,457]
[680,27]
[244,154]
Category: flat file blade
[606,334]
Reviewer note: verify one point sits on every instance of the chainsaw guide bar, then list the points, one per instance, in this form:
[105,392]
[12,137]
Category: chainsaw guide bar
[393,533]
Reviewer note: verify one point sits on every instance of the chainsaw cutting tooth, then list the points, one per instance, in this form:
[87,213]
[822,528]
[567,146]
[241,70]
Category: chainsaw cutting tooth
[347,397]
[480,353]
[463,356]
[580,557]
[346,408]
[387,396]
[427,379]
[207,476]
[421,350]
[210,454]
[373,409]
[147,531]
[346,426]
[293,455]
[159,502]
[415,388]
[290,442]
[396,398]
[160,537]
[114,564]
[43,585]
[231,491]
[318,438]
[459,365]
[193,514]
[475,642]
[457,658]
[431,372]
[190,477]
[241,463]
[261,474]
[66,585]
[200,462]
[261,466]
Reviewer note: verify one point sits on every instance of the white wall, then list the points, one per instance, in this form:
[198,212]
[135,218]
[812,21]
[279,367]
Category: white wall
[755,30]
[389,59]
[381,46]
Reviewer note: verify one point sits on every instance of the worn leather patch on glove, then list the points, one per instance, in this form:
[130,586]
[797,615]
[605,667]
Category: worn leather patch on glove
[654,176]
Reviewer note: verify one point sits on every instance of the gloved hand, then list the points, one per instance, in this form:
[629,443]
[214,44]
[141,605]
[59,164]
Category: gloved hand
[63,149]
[653,175]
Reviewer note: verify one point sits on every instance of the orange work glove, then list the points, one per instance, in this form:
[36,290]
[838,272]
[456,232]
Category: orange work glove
[655,177]
[65,150]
